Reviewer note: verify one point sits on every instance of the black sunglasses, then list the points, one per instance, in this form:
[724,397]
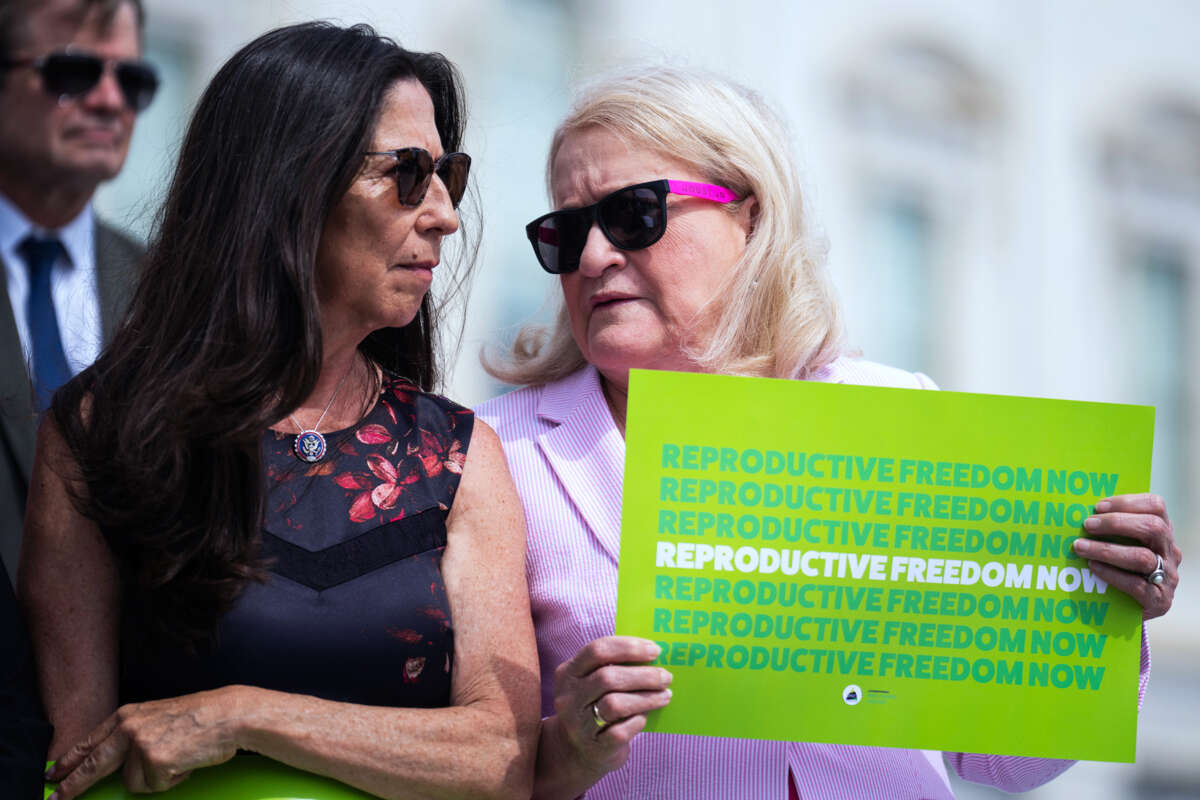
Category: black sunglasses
[632,218]
[71,74]
[415,168]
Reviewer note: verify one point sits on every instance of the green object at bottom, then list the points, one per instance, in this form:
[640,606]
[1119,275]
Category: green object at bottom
[245,777]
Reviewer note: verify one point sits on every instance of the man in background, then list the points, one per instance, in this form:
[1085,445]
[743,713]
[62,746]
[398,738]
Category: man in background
[71,86]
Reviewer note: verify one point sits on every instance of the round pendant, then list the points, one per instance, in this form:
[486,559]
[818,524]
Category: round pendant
[309,446]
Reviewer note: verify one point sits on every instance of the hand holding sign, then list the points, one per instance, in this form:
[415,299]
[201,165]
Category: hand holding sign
[159,743]
[601,698]
[1142,521]
[244,777]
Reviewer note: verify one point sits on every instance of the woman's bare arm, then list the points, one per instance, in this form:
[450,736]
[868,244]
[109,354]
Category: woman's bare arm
[67,584]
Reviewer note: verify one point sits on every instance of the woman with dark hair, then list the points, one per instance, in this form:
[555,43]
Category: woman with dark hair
[251,526]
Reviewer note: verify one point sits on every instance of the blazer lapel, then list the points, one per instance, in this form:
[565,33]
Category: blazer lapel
[586,452]
[116,267]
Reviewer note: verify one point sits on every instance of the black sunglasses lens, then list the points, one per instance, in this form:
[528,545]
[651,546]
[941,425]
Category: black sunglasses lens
[138,84]
[558,239]
[453,171]
[71,74]
[414,169]
[74,74]
[633,218]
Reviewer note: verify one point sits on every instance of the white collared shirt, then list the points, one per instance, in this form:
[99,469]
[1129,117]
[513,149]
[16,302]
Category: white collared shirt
[72,283]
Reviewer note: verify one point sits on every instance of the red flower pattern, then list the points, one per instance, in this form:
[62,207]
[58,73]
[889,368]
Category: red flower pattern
[373,434]
[393,457]
[413,667]
[403,459]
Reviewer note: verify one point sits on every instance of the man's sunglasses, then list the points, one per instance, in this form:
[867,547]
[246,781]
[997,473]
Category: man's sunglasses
[72,74]
[415,168]
[631,218]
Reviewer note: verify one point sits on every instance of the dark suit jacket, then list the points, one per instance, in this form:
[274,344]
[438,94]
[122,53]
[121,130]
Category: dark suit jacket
[24,732]
[116,262]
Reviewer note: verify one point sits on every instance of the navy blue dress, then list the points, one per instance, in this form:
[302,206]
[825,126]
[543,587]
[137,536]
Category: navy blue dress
[355,607]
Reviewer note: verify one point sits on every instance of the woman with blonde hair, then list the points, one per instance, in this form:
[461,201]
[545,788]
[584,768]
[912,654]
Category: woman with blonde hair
[680,239]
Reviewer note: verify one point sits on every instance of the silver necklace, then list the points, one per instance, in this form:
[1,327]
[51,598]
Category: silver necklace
[310,445]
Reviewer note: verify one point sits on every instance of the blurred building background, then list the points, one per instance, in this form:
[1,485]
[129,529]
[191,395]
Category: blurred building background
[1010,190]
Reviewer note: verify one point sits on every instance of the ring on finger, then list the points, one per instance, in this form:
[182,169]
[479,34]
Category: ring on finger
[601,722]
[1157,575]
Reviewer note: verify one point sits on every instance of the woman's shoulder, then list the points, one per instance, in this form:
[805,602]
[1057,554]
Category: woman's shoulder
[405,410]
[397,390]
[861,372]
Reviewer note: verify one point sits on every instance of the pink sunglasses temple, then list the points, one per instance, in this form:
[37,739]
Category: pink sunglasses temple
[707,191]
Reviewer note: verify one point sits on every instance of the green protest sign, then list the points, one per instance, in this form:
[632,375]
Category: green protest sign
[876,566]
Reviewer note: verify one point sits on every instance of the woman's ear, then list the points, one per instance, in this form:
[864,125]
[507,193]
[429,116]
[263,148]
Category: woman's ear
[747,215]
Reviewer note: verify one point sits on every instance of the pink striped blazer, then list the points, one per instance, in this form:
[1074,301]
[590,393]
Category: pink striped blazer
[567,458]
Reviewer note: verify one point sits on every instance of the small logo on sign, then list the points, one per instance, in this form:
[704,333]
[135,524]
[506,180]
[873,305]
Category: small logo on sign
[852,695]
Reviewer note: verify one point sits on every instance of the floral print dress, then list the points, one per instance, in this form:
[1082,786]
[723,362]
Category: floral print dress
[355,607]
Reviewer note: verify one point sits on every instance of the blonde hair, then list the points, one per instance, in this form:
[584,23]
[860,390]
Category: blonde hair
[777,314]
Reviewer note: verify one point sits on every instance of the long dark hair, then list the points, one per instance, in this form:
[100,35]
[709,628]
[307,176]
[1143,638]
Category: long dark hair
[222,336]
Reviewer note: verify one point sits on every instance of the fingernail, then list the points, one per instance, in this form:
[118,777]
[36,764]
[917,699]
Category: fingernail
[1082,546]
[1103,506]
[670,694]
[1091,523]
[653,649]
[667,677]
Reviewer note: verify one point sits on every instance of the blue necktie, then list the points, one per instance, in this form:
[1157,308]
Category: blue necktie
[50,368]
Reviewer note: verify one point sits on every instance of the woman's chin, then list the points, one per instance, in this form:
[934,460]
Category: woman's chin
[613,361]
